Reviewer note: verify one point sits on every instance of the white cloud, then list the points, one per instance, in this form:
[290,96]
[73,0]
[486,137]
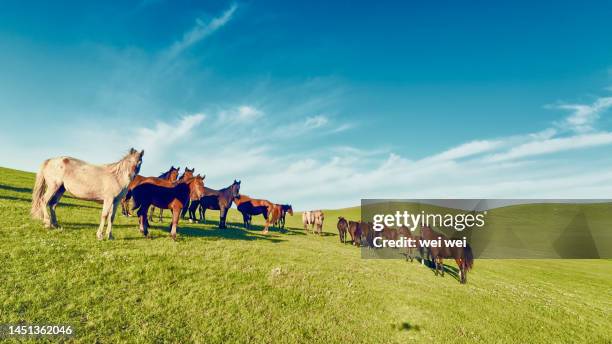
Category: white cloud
[200,31]
[315,122]
[468,149]
[584,116]
[554,145]
[240,115]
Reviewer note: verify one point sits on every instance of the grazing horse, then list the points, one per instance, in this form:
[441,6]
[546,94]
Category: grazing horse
[342,228]
[106,183]
[274,214]
[355,232]
[250,207]
[174,197]
[217,200]
[463,255]
[169,176]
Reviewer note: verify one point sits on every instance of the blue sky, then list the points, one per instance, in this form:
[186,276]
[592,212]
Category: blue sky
[319,104]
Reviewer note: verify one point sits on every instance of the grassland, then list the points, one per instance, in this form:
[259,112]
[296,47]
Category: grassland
[235,285]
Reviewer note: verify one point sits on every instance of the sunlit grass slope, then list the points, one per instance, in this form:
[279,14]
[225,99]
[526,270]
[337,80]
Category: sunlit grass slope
[234,285]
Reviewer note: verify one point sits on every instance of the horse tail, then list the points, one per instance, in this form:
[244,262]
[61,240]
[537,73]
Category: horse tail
[468,259]
[38,193]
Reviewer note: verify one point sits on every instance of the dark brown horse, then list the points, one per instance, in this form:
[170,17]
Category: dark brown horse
[355,232]
[174,197]
[166,178]
[342,228]
[463,255]
[216,200]
[285,208]
[367,233]
[250,207]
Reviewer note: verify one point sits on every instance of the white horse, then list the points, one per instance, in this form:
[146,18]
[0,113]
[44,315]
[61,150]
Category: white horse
[106,183]
[307,219]
[314,218]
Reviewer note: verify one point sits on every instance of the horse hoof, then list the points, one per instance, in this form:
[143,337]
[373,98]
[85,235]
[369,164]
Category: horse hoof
[100,237]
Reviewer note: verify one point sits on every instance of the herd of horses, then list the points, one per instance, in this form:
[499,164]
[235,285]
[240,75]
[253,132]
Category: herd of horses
[362,234]
[119,183]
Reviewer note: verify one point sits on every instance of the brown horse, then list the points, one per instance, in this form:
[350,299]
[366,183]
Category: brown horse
[172,177]
[217,200]
[355,232]
[250,207]
[405,232]
[463,255]
[367,233]
[342,228]
[168,176]
[173,197]
[285,208]
[274,214]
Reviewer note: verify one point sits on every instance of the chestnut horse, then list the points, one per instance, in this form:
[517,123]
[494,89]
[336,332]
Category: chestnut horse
[463,255]
[217,200]
[107,183]
[169,176]
[355,232]
[173,197]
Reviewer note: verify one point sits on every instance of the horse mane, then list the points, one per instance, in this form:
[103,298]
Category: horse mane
[121,167]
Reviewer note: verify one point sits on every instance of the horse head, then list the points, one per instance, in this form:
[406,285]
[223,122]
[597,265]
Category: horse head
[135,158]
[188,173]
[235,189]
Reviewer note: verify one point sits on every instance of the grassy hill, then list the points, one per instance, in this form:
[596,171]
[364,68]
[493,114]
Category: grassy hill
[234,285]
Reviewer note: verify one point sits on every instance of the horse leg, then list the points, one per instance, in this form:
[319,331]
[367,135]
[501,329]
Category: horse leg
[161,213]
[53,203]
[151,212]
[106,207]
[222,213]
[202,214]
[192,212]
[47,198]
[175,219]
[441,265]
[111,218]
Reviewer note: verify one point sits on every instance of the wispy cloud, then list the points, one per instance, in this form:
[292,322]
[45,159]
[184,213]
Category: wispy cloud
[242,114]
[468,149]
[200,31]
[584,116]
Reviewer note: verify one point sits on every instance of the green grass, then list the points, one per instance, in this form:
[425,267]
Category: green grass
[234,285]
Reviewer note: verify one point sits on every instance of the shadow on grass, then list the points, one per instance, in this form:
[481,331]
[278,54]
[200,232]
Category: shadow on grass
[231,233]
[61,204]
[15,188]
[406,326]
[448,269]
